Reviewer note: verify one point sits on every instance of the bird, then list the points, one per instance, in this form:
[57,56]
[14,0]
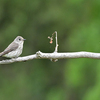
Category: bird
[14,49]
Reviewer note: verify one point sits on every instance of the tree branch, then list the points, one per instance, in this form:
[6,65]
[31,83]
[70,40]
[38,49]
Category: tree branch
[40,55]
[53,56]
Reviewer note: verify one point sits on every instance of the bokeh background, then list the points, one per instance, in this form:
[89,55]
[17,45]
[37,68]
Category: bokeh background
[78,25]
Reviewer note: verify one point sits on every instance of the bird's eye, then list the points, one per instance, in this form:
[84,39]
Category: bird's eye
[19,39]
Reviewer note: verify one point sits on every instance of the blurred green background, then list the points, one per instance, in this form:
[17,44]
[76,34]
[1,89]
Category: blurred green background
[78,25]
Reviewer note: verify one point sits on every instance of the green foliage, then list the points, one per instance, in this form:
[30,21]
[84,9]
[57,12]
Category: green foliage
[78,25]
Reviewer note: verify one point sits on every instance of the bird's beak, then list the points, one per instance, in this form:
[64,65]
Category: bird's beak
[24,39]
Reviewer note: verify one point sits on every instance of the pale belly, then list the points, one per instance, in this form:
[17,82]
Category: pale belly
[13,54]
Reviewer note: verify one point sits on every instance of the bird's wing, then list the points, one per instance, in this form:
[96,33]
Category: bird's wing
[12,47]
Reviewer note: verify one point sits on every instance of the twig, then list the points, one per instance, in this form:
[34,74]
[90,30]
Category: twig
[56,48]
[51,41]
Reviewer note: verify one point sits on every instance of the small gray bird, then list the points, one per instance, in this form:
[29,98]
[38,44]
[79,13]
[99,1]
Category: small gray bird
[14,49]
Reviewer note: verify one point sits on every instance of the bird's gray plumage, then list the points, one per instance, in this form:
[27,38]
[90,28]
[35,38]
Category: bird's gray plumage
[14,49]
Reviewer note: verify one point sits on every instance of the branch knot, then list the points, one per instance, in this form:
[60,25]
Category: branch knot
[38,54]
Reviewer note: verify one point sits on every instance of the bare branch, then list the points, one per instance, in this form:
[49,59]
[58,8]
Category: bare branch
[53,56]
[19,59]
[40,55]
